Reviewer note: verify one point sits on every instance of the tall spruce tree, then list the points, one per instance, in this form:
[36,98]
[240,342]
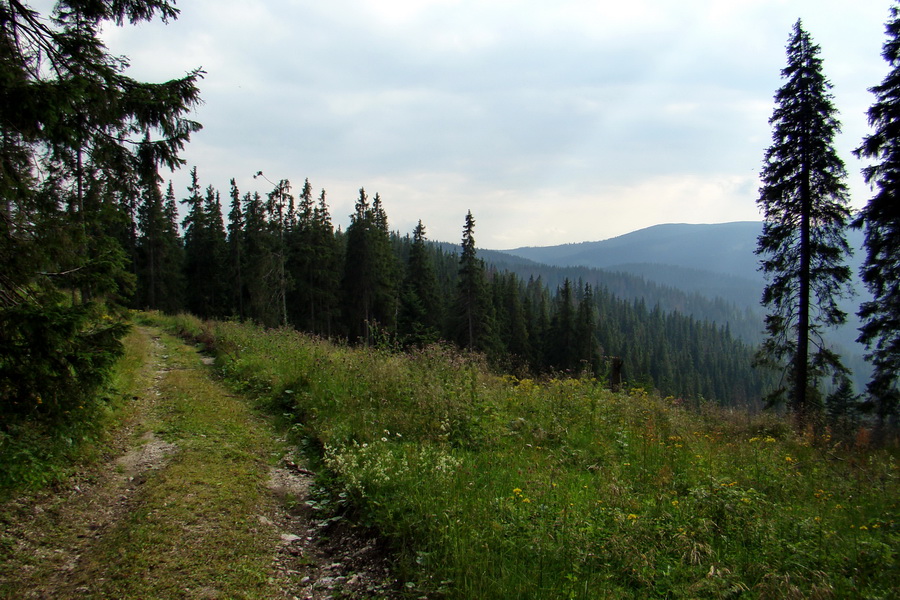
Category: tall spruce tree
[324,274]
[158,261]
[280,216]
[301,261]
[260,263]
[370,272]
[881,218]
[205,252]
[585,332]
[473,308]
[802,246]
[78,138]
[235,242]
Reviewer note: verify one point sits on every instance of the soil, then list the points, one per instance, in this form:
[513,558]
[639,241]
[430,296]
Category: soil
[318,559]
[47,532]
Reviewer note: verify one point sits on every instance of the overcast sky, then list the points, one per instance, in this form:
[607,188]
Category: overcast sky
[554,121]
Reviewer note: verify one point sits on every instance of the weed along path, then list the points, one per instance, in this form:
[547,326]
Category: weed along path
[199,498]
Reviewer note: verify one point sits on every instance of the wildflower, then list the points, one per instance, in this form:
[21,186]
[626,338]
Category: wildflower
[674,502]
[526,500]
[863,528]
[770,440]
[632,516]
[517,491]
[788,459]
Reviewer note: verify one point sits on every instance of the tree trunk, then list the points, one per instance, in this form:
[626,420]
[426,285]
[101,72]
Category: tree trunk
[801,360]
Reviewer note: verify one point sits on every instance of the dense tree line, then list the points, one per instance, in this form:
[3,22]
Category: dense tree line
[278,260]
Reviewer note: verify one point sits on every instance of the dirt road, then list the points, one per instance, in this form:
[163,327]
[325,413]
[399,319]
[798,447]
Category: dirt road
[196,496]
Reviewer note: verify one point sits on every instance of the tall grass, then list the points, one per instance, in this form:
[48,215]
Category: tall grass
[495,487]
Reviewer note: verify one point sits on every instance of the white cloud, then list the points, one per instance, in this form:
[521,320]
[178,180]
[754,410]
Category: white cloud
[554,122]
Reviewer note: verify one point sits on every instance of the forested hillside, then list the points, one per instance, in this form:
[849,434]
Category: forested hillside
[715,268]
[278,260]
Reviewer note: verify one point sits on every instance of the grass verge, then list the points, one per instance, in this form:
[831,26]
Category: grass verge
[494,487]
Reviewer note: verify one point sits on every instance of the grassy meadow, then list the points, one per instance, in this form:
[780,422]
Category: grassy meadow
[496,487]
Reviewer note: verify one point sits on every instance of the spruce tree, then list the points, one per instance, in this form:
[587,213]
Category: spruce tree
[370,272]
[78,141]
[279,214]
[512,321]
[881,218]
[562,341]
[420,308]
[217,255]
[172,282]
[301,261]
[802,246]
[324,275]
[585,332]
[158,262]
[205,252]
[473,307]
[235,244]
[260,265]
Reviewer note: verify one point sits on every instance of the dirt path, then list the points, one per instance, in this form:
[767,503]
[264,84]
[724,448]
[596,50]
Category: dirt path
[198,497]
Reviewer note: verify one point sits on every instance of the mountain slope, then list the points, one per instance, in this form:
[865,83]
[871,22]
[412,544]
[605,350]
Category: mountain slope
[714,261]
[725,248]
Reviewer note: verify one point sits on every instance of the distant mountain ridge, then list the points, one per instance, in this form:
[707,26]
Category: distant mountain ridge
[725,248]
[710,259]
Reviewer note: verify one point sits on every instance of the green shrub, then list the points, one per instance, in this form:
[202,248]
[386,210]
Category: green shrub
[54,362]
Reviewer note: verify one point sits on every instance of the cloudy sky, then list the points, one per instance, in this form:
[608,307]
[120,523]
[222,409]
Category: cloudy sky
[554,121]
